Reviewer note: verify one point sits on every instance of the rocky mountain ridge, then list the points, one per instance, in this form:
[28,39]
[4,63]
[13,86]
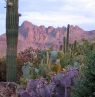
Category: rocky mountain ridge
[45,37]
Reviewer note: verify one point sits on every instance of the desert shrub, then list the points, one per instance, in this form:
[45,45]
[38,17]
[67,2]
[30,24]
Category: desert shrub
[85,84]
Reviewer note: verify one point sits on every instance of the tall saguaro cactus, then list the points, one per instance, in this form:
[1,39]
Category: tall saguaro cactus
[68,32]
[12,21]
[75,45]
[64,45]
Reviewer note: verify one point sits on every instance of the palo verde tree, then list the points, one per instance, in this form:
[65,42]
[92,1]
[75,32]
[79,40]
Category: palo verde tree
[12,22]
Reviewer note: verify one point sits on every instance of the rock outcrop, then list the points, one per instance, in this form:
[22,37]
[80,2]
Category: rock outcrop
[44,37]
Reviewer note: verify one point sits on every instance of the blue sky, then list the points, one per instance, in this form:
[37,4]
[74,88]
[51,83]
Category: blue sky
[54,12]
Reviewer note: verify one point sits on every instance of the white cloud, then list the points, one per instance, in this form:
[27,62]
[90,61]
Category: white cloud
[56,12]
[73,12]
[56,19]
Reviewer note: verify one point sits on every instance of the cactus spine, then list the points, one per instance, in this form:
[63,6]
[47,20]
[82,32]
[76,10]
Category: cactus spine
[12,21]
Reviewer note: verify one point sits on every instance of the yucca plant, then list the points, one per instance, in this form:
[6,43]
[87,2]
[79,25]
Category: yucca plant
[12,19]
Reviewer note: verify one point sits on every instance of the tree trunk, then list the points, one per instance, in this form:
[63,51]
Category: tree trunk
[12,22]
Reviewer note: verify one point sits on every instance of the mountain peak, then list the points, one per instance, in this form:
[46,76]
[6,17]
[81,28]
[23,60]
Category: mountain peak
[31,35]
[26,24]
[76,27]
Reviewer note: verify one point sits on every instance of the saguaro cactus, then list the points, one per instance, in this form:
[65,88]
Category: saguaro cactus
[64,44]
[12,19]
[67,44]
[75,45]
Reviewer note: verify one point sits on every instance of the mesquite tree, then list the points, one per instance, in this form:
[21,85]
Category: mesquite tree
[12,21]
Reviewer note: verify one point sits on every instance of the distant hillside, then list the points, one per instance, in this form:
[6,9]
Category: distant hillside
[40,36]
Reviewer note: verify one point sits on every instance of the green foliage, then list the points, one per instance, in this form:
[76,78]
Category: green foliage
[23,81]
[66,60]
[85,85]
[60,54]
[44,70]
